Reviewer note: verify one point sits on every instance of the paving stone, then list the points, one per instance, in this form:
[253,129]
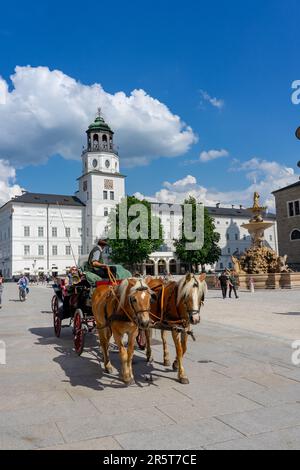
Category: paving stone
[214,405]
[104,443]
[286,439]
[29,437]
[182,436]
[110,423]
[264,419]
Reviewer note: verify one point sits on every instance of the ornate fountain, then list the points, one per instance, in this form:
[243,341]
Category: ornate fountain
[259,258]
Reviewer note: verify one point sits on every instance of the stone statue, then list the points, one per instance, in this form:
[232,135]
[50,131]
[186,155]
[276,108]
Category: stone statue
[282,265]
[256,198]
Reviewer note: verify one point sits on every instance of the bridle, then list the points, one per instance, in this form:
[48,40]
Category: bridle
[131,303]
[192,312]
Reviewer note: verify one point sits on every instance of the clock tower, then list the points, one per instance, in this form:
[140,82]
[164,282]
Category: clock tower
[101,186]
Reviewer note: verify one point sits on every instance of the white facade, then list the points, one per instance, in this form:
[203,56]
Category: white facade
[42,233]
[234,239]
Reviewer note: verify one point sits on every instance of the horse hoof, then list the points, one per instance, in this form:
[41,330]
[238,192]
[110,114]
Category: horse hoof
[184,380]
[129,382]
[109,369]
[167,363]
[175,366]
[150,360]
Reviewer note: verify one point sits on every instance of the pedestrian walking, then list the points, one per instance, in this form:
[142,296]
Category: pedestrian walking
[224,281]
[233,284]
[1,288]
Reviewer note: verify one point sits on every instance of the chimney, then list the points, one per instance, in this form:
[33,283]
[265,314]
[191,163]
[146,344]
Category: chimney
[218,205]
[241,207]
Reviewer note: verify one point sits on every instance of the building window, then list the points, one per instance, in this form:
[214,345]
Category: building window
[68,250]
[41,250]
[271,238]
[295,235]
[85,186]
[105,212]
[229,251]
[40,231]
[54,250]
[26,250]
[79,250]
[112,196]
[227,236]
[294,208]
[54,232]
[68,232]
[245,237]
[221,266]
[105,195]
[236,237]
[26,231]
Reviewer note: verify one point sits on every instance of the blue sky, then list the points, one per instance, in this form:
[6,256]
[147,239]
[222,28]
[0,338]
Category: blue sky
[244,54]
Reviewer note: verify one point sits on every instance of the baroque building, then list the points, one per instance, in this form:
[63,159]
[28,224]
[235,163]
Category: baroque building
[47,233]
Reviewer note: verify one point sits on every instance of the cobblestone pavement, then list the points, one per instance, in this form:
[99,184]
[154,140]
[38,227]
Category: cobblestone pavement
[244,391]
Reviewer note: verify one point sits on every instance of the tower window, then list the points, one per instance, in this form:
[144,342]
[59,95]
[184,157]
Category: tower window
[104,138]
[105,195]
[112,195]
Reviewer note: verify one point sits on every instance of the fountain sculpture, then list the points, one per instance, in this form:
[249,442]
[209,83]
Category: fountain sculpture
[259,259]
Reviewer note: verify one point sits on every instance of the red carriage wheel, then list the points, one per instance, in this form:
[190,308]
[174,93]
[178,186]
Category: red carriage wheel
[141,340]
[56,320]
[54,304]
[79,332]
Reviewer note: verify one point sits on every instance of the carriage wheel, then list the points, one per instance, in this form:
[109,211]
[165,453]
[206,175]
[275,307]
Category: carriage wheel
[141,340]
[56,320]
[54,303]
[79,332]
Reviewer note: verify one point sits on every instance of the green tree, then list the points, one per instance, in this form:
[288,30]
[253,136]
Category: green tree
[210,252]
[132,240]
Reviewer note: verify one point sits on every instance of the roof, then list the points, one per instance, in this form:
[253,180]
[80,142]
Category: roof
[287,187]
[99,125]
[230,212]
[227,211]
[53,199]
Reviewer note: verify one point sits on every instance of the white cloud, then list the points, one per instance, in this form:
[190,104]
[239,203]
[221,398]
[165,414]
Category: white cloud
[47,112]
[215,102]
[8,188]
[213,155]
[269,176]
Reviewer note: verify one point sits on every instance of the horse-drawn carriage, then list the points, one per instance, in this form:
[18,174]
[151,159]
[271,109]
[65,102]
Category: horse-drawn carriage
[135,308]
[72,301]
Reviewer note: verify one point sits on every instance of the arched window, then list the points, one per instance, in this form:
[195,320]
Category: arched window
[104,138]
[295,235]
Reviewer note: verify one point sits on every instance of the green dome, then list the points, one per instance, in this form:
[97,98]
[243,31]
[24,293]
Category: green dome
[100,125]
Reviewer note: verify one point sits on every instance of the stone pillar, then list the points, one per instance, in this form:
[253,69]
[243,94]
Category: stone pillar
[155,267]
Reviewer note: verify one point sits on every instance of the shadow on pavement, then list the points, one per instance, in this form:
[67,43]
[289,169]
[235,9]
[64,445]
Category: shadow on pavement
[87,370]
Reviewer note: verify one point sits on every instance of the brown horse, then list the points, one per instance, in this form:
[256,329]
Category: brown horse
[176,305]
[118,311]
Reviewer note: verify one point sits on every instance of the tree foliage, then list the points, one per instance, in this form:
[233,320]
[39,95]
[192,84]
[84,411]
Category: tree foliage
[210,252]
[129,251]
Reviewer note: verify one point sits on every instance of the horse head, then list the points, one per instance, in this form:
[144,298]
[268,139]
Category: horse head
[190,297]
[135,294]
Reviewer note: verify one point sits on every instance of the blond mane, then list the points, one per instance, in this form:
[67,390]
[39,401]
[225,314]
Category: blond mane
[185,287]
[123,288]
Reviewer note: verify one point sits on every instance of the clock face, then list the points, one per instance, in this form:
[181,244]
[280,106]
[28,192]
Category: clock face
[107,163]
[95,163]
